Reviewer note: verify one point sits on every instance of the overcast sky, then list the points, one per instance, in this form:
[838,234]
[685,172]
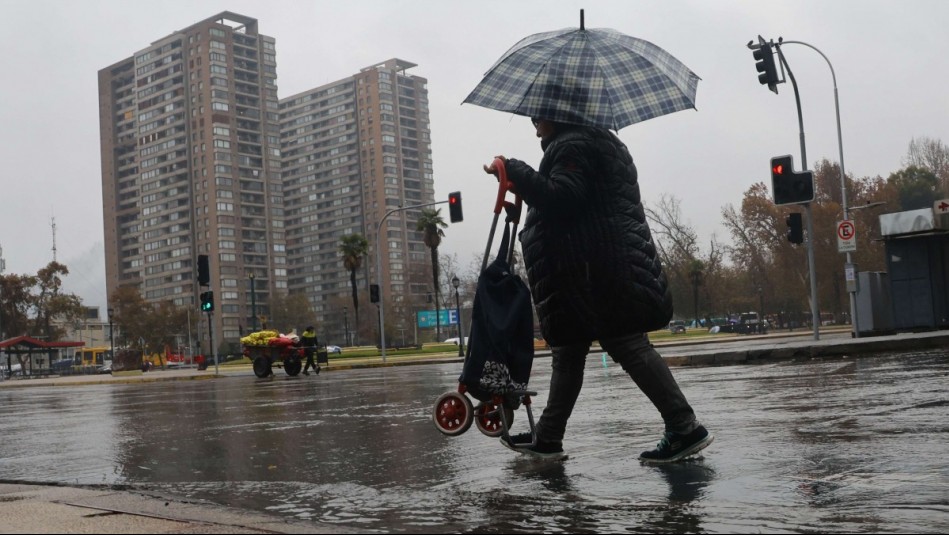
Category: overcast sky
[889,58]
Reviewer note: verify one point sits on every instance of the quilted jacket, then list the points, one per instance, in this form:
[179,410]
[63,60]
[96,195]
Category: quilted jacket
[591,262]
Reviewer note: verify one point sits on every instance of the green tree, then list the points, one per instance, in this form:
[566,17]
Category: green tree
[931,154]
[430,223]
[353,248]
[50,304]
[15,305]
[34,305]
[918,187]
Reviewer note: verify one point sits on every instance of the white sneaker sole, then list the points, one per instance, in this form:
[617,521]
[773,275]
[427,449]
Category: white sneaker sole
[556,456]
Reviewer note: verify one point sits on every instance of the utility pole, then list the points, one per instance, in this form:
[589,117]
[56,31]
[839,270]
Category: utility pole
[762,52]
[379,242]
[843,175]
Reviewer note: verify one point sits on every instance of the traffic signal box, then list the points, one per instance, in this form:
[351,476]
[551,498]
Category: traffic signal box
[207,301]
[204,270]
[373,293]
[790,187]
[454,206]
[795,227]
[764,62]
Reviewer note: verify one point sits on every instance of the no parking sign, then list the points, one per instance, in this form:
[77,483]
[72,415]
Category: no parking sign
[846,237]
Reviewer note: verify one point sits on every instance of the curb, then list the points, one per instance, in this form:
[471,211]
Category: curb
[861,346]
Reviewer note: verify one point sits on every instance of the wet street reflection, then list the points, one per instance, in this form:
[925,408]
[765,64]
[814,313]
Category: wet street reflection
[846,445]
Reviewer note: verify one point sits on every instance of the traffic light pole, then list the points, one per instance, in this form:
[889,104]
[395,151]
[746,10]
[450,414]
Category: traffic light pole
[812,269]
[379,240]
[211,341]
[855,333]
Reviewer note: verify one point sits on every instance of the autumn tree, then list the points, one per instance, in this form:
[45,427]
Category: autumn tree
[290,311]
[35,305]
[149,327]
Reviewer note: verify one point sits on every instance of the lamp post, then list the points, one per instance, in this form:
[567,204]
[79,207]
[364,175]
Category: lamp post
[111,312]
[379,241]
[461,337]
[346,324]
[760,309]
[253,301]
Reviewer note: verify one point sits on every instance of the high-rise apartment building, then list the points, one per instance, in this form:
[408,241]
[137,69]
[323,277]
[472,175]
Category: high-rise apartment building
[190,142]
[353,150]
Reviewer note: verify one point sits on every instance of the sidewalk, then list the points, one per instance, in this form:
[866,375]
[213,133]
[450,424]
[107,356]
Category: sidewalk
[29,508]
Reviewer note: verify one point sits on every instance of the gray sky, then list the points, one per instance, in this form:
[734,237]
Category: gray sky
[889,58]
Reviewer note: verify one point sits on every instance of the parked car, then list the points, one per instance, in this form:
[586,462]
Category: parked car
[677,327]
[62,366]
[455,340]
[334,349]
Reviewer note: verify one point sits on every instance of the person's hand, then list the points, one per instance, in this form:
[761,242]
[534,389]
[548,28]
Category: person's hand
[492,169]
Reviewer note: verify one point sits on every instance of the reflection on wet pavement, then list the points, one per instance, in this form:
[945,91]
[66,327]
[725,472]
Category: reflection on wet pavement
[847,445]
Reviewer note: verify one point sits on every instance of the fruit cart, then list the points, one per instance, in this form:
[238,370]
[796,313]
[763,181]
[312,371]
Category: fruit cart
[267,349]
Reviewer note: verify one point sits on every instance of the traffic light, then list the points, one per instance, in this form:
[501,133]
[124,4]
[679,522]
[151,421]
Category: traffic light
[207,301]
[790,187]
[204,270]
[454,206]
[373,293]
[795,227]
[764,58]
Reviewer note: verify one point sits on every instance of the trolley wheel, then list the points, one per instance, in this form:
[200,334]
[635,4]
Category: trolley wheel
[262,367]
[487,417]
[453,413]
[292,366]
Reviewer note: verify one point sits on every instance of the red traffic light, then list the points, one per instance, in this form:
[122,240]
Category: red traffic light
[778,169]
[454,207]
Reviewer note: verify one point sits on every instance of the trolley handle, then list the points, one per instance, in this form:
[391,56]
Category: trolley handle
[505,185]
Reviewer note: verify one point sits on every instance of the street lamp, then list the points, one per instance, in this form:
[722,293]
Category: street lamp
[461,337]
[253,300]
[346,324]
[111,312]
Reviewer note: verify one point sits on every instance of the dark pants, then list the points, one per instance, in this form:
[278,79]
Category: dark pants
[638,358]
[309,361]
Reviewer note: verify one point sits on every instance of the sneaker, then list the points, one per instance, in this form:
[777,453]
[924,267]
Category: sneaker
[542,450]
[306,373]
[674,447]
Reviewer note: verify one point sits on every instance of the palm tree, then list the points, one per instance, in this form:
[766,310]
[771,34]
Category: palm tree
[431,223]
[354,247]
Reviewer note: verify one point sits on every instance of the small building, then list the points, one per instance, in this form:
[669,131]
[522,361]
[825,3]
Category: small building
[917,259]
[33,355]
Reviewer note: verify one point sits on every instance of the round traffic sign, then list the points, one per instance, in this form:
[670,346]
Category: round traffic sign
[845,230]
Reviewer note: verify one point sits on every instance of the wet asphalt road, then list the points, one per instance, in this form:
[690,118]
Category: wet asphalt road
[844,445]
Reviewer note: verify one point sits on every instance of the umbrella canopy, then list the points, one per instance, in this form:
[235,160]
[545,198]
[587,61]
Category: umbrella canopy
[598,77]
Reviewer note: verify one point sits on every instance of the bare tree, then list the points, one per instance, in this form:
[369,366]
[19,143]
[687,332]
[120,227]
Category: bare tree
[931,154]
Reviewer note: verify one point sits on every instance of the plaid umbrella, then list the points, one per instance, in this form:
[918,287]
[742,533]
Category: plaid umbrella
[598,77]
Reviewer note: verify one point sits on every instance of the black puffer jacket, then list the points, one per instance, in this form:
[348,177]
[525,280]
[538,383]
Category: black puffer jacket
[591,262]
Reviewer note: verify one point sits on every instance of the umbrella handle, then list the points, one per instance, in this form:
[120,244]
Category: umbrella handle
[505,185]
